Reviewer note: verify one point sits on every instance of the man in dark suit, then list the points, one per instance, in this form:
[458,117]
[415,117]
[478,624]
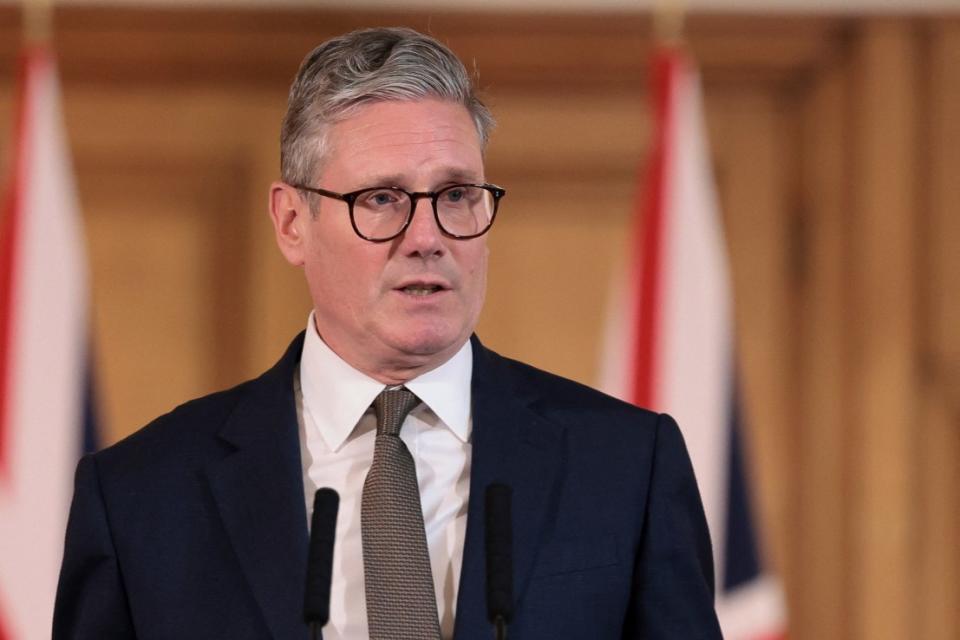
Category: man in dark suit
[197,525]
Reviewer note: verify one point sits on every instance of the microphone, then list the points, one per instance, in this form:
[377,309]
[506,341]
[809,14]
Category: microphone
[499,546]
[316,601]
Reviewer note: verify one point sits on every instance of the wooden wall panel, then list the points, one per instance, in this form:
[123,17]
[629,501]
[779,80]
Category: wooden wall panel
[582,136]
[750,148]
[152,334]
[883,317]
[165,175]
[276,293]
[549,280]
[563,225]
[820,514]
[938,593]
[943,137]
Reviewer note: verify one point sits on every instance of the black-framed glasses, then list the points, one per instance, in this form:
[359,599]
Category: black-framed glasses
[378,214]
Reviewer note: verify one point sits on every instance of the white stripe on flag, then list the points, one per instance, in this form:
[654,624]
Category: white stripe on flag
[695,373]
[46,363]
[753,611]
[693,349]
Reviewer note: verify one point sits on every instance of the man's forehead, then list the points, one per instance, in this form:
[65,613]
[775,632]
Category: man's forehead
[391,140]
[407,120]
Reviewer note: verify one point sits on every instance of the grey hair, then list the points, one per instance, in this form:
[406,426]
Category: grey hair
[369,65]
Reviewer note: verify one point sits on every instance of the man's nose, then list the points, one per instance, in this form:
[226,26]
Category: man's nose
[423,235]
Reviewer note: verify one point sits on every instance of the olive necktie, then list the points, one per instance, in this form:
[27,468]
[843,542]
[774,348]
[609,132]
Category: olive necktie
[401,603]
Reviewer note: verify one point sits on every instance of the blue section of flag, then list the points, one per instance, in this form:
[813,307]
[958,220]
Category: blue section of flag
[741,555]
[91,434]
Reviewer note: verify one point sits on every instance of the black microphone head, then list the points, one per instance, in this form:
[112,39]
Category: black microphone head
[323,527]
[499,544]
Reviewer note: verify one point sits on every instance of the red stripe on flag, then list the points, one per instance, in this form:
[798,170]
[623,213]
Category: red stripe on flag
[9,246]
[649,234]
[31,62]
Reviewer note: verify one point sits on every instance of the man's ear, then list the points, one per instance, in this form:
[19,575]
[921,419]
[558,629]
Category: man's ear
[290,214]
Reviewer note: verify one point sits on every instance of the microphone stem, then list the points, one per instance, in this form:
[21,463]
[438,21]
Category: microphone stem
[500,628]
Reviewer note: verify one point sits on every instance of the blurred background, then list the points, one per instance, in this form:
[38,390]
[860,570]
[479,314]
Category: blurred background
[836,149]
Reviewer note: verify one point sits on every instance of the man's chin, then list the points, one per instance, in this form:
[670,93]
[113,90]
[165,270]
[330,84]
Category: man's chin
[428,345]
[428,349]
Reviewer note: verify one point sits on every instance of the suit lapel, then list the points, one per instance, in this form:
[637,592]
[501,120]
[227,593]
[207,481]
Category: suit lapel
[258,489]
[514,445]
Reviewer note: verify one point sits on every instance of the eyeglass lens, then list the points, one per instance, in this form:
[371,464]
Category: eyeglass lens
[462,210]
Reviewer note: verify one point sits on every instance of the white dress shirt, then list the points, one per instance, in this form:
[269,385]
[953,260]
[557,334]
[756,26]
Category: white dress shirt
[337,432]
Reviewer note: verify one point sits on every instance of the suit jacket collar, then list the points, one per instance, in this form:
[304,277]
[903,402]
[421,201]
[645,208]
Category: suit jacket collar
[514,445]
[258,489]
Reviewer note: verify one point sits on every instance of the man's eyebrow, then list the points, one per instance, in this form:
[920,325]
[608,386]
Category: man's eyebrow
[397,180]
[461,175]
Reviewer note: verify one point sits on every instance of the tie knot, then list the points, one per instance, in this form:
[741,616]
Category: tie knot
[392,406]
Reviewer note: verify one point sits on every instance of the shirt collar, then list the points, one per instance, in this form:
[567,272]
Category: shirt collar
[337,395]
[446,391]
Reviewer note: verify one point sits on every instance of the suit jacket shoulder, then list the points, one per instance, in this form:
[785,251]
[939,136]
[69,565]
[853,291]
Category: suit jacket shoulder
[564,393]
[610,540]
[589,419]
[194,526]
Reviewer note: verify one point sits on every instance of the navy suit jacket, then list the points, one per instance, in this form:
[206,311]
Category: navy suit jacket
[195,526]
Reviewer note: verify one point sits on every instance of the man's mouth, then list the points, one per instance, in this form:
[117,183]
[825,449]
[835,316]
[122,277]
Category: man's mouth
[421,289]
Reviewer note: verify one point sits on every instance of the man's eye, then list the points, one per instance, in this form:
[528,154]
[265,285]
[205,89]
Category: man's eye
[454,195]
[380,198]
